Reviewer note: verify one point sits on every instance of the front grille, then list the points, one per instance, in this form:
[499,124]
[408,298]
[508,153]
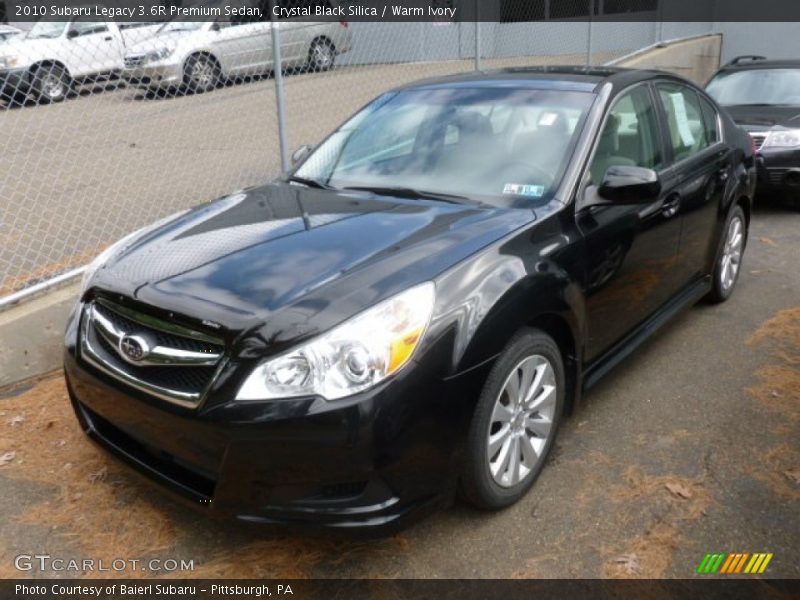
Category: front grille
[179,364]
[134,60]
[758,140]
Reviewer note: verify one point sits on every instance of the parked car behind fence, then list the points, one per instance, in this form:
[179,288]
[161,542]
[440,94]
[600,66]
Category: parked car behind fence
[54,56]
[199,55]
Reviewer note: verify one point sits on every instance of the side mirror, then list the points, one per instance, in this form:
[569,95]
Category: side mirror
[72,34]
[215,27]
[301,153]
[630,185]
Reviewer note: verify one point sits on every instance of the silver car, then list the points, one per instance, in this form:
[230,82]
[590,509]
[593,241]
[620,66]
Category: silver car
[199,55]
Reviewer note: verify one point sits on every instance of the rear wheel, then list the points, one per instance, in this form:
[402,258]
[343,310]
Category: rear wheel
[50,83]
[201,73]
[728,266]
[321,55]
[515,422]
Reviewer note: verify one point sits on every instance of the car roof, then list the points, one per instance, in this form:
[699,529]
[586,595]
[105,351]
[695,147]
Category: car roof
[559,77]
[750,63]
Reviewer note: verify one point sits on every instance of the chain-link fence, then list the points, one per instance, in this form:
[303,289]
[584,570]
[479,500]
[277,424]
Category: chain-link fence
[105,127]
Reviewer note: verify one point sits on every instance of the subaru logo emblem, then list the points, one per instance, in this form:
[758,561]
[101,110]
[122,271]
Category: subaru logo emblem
[133,348]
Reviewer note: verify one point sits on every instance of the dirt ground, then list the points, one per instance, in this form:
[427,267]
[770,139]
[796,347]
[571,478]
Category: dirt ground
[692,446]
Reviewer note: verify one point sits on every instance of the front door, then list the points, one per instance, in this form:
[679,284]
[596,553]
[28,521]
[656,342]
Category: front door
[93,48]
[631,249]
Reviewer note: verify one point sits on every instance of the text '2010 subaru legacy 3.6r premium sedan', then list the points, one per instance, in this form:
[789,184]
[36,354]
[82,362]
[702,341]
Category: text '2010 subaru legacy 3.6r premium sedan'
[413,310]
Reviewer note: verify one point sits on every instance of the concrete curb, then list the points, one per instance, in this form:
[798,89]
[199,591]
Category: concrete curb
[31,335]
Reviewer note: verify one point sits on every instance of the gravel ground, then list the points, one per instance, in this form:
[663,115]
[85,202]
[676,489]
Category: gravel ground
[692,446]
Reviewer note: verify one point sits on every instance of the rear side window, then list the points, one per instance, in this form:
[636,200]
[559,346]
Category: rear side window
[710,118]
[686,126]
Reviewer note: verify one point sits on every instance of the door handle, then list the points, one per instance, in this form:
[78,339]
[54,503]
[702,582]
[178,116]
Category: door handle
[670,206]
[108,38]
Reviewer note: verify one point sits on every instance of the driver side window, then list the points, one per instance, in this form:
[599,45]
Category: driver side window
[82,26]
[629,137]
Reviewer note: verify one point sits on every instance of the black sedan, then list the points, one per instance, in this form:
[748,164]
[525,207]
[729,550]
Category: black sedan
[411,312]
[763,97]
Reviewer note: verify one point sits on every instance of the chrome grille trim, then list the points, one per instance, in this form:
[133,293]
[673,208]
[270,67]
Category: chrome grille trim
[95,326]
[158,355]
[134,60]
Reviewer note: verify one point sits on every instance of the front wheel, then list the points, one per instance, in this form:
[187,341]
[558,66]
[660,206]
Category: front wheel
[727,267]
[321,56]
[201,73]
[515,422]
[51,83]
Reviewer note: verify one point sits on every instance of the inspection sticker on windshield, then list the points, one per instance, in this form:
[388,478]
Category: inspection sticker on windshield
[517,189]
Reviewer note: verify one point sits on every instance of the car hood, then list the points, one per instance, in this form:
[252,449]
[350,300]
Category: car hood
[30,48]
[754,118]
[237,261]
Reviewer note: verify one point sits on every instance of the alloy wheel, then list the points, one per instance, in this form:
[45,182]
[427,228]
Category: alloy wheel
[732,253]
[322,56]
[53,86]
[522,420]
[203,74]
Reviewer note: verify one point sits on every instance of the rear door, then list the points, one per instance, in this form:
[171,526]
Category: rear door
[702,165]
[244,46]
[631,249]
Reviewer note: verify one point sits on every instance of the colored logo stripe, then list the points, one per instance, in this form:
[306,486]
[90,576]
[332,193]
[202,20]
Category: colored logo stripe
[721,562]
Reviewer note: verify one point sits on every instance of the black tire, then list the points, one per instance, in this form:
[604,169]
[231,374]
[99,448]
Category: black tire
[478,486]
[201,73]
[321,55]
[50,83]
[722,287]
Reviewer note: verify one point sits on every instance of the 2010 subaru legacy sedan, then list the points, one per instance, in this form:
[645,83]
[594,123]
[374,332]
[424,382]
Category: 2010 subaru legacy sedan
[412,311]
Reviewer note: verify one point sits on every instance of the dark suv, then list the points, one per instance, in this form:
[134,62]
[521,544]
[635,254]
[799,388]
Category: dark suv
[763,97]
[413,310]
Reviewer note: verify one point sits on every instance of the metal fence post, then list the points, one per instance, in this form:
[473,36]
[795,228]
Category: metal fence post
[277,69]
[477,35]
[589,35]
[660,25]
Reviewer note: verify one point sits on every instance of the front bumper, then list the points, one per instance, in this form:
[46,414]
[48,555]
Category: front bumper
[779,169]
[154,75]
[375,461]
[13,82]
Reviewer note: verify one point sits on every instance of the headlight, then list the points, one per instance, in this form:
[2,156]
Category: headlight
[8,61]
[118,246]
[782,138]
[352,357]
[160,54]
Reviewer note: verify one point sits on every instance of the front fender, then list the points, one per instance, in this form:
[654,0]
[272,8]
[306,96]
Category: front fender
[485,301]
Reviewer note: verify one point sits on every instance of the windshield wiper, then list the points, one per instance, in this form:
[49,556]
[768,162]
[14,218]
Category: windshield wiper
[406,192]
[310,183]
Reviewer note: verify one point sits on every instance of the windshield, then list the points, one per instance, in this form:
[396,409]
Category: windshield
[501,145]
[46,29]
[181,26]
[757,86]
